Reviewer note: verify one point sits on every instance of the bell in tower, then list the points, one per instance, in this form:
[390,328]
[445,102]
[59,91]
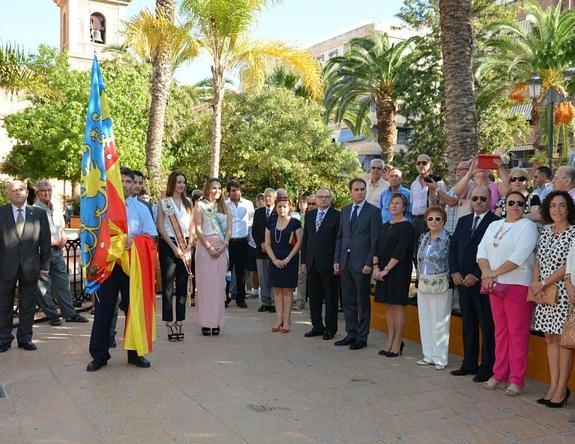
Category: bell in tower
[97,28]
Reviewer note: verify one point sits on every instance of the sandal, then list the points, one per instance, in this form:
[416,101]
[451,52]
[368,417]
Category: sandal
[215,331]
[172,336]
[179,334]
[206,331]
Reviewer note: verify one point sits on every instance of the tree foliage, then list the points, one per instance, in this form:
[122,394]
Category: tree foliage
[423,103]
[268,139]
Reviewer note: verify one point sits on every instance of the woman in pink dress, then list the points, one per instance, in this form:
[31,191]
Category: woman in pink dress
[213,223]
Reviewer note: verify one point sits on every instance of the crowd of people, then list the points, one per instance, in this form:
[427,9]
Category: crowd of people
[503,248]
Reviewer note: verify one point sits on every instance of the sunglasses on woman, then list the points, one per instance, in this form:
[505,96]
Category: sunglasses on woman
[481,198]
[520,179]
[513,203]
[421,162]
[435,218]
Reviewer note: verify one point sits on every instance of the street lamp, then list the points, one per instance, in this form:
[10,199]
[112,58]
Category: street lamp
[534,86]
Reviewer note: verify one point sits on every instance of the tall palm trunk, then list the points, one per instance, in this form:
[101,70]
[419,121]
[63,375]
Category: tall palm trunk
[218,100]
[386,126]
[460,114]
[536,125]
[161,79]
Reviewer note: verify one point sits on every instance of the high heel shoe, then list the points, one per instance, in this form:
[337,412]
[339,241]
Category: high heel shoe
[384,352]
[276,329]
[215,331]
[395,355]
[284,330]
[172,336]
[179,334]
[560,404]
[206,331]
[542,401]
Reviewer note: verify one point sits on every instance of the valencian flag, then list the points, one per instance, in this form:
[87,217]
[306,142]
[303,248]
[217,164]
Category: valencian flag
[104,223]
[102,206]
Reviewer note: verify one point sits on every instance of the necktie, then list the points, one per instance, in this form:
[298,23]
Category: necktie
[20,222]
[475,223]
[319,220]
[353,217]
[268,211]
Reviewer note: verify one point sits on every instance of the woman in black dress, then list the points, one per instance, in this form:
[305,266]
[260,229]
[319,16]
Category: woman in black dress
[392,267]
[282,244]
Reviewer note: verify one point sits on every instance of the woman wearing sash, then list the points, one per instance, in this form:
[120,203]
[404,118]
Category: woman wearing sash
[175,227]
[213,223]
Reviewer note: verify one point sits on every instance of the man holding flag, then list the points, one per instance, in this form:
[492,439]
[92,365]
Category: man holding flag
[118,249]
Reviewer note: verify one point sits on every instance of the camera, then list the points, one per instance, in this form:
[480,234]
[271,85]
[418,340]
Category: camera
[432,178]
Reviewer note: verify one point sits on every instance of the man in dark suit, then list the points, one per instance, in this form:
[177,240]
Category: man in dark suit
[466,275]
[354,250]
[261,218]
[318,249]
[24,256]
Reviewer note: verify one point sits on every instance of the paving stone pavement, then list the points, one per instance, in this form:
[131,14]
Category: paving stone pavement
[252,386]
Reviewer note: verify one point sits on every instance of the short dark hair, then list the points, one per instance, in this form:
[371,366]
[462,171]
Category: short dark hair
[518,193]
[233,184]
[354,180]
[545,170]
[124,171]
[139,174]
[547,203]
[403,199]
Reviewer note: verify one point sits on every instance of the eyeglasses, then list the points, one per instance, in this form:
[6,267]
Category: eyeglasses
[513,203]
[311,204]
[376,168]
[322,197]
[481,198]
[435,218]
[520,179]
[421,162]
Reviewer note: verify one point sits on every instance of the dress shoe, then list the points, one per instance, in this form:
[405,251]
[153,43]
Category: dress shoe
[463,372]
[542,401]
[96,365]
[314,332]
[272,309]
[28,345]
[357,345]
[139,361]
[480,378]
[242,304]
[560,404]
[5,347]
[55,321]
[345,341]
[77,318]
[328,335]
[264,308]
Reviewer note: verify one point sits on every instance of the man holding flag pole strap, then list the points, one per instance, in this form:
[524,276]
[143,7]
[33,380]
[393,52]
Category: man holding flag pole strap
[116,239]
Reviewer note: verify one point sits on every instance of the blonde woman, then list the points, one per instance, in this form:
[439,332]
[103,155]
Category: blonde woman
[213,224]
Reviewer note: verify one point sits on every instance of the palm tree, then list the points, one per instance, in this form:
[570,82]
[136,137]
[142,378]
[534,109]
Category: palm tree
[369,73]
[540,47]
[283,78]
[19,75]
[456,47]
[223,27]
[166,44]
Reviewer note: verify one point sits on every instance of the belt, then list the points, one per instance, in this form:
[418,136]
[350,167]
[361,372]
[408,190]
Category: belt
[238,239]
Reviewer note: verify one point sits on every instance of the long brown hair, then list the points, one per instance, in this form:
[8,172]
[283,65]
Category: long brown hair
[170,188]
[221,204]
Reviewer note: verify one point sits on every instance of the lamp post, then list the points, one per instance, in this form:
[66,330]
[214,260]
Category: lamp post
[534,86]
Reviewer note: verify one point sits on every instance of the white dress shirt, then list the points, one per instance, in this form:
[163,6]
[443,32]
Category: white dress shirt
[139,218]
[15,212]
[359,208]
[419,196]
[242,217]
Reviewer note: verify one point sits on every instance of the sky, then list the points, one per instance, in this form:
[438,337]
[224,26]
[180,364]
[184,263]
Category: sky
[29,23]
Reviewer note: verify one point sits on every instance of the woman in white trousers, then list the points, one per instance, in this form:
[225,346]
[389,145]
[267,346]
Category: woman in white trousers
[433,294]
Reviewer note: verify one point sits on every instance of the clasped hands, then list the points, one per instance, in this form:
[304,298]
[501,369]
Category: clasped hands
[280,263]
[468,281]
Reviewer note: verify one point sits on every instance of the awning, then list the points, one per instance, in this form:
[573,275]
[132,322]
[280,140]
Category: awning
[521,148]
[525,109]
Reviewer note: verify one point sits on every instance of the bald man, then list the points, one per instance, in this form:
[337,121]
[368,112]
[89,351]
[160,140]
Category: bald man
[24,256]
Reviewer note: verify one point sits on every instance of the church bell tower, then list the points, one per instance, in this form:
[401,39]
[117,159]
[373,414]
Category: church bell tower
[87,27]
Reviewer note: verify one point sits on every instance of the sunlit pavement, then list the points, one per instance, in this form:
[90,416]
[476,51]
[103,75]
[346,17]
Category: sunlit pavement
[251,385]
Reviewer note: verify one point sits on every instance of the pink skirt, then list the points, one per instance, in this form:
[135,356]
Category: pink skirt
[211,284]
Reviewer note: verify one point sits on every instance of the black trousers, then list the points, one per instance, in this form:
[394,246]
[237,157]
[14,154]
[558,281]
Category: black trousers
[476,312]
[173,270]
[322,287]
[104,306]
[28,291]
[239,252]
[356,303]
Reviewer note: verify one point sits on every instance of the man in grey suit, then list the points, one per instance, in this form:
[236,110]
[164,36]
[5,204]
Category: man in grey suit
[354,249]
[24,257]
